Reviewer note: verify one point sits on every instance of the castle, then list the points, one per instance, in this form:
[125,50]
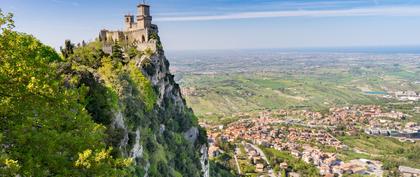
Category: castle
[138,31]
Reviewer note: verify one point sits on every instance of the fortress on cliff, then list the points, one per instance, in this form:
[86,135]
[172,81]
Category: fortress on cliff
[138,31]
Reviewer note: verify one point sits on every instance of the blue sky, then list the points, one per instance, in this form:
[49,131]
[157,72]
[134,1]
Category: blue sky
[230,24]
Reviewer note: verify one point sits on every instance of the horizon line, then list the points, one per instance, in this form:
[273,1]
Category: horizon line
[354,12]
[376,47]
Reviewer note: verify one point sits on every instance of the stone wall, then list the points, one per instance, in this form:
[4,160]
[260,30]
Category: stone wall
[150,44]
[137,36]
[106,35]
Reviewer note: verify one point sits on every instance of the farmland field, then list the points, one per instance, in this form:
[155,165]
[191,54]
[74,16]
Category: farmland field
[217,88]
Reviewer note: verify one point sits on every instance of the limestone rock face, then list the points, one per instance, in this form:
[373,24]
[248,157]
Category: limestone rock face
[192,134]
[205,160]
[146,116]
[160,76]
[170,93]
[157,130]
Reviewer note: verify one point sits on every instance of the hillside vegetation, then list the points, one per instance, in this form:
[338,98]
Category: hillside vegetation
[45,129]
[87,113]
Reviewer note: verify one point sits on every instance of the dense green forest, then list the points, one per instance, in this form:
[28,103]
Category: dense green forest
[87,113]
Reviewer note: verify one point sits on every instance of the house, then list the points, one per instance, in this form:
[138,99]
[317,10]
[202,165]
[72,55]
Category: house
[359,170]
[307,158]
[323,170]
[214,151]
[331,161]
[295,153]
[284,165]
[409,172]
[337,170]
[294,174]
[256,159]
[259,168]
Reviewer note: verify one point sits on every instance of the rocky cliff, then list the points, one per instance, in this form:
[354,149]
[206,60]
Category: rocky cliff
[135,96]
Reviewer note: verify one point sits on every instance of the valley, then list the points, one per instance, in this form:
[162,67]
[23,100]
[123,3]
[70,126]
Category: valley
[311,114]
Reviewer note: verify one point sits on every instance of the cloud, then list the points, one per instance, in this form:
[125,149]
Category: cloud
[374,11]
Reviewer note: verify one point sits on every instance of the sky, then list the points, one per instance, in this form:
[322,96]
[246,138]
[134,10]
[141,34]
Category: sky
[229,24]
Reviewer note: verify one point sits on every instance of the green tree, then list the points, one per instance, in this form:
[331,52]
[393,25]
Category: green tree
[117,52]
[132,52]
[68,49]
[89,55]
[45,129]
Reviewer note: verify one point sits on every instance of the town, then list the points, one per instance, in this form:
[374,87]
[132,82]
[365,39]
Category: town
[310,137]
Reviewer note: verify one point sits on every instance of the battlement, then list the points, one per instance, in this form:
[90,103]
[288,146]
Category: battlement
[137,31]
[152,45]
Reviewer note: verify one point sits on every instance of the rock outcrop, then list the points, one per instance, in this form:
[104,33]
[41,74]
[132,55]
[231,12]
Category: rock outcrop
[147,118]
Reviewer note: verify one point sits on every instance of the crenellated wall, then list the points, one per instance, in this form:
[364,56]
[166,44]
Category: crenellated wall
[150,44]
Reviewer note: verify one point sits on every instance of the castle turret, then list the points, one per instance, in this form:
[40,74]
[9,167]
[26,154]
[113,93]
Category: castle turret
[129,22]
[144,20]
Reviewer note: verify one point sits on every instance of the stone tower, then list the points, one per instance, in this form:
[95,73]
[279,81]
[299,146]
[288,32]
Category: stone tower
[129,21]
[144,20]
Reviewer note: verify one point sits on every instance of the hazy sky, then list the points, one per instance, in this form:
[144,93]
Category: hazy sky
[230,24]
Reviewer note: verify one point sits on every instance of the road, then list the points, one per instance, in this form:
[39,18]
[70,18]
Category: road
[237,164]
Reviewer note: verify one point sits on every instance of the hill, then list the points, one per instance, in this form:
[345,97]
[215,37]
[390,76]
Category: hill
[89,113]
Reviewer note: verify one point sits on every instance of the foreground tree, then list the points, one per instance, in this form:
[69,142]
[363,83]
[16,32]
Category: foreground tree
[68,49]
[44,127]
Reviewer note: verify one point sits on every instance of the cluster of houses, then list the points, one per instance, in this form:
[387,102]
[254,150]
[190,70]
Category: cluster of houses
[407,95]
[351,116]
[260,131]
[411,130]
[263,131]
[372,119]
[294,113]
[304,142]
[256,158]
[329,164]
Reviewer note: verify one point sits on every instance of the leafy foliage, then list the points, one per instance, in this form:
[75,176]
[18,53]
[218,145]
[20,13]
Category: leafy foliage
[156,37]
[296,165]
[119,86]
[68,49]
[143,85]
[117,53]
[89,55]
[218,170]
[132,52]
[43,124]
